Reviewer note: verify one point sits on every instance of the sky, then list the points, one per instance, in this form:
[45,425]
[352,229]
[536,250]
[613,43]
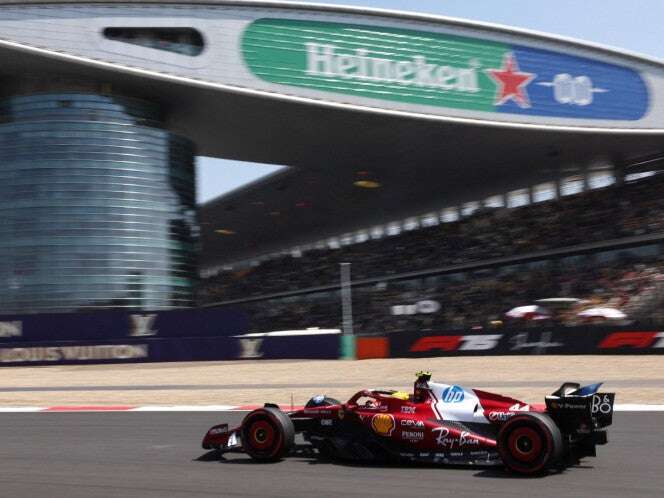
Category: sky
[633,25]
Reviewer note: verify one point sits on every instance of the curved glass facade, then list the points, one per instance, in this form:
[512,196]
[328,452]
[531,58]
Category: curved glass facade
[97,206]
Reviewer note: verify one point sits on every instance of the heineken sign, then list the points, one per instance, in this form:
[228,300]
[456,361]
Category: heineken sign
[323,60]
[448,71]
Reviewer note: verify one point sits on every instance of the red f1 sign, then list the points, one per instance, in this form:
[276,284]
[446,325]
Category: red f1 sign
[455,343]
[636,340]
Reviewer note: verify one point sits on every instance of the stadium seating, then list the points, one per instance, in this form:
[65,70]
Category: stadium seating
[625,278]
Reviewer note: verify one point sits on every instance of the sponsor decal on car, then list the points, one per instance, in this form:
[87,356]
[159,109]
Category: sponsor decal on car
[410,410]
[453,394]
[375,408]
[317,411]
[467,439]
[411,423]
[566,405]
[500,416]
[412,435]
[326,421]
[232,440]
[601,404]
[383,424]
[444,439]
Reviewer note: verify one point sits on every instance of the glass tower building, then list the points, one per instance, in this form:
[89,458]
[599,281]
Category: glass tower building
[97,206]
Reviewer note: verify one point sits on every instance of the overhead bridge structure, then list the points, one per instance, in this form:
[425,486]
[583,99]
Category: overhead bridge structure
[104,106]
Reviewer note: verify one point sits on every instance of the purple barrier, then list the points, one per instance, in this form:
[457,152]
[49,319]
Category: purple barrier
[129,351]
[315,346]
[114,325]
[151,349]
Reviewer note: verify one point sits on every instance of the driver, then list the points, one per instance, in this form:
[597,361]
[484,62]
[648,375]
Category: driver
[421,388]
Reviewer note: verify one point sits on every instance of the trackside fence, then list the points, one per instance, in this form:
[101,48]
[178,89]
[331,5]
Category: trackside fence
[554,340]
[215,335]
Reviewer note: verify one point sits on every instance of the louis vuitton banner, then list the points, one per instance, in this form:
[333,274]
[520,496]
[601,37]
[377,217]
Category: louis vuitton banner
[111,325]
[306,344]
[132,350]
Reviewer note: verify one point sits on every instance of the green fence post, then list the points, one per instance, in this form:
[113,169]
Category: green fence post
[347,347]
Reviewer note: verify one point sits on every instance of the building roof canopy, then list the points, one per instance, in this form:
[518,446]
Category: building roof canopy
[418,163]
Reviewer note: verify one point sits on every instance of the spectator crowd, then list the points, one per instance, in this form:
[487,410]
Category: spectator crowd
[628,279]
[480,300]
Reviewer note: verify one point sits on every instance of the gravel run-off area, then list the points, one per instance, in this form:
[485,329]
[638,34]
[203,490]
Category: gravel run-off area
[635,379]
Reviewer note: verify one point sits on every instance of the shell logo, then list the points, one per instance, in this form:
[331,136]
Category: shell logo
[383,424]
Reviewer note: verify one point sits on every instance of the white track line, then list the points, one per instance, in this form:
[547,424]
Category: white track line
[626,407]
[629,407]
[20,409]
[184,408]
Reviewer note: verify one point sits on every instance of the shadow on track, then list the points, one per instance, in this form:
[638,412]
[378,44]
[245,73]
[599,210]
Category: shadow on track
[491,472]
[210,456]
[312,459]
[499,473]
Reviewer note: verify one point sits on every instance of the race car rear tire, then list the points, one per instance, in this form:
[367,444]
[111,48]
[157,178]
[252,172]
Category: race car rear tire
[530,443]
[268,434]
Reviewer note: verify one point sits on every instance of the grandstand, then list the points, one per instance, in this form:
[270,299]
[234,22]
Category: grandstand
[603,247]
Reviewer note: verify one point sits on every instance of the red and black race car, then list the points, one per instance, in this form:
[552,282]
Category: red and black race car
[437,423]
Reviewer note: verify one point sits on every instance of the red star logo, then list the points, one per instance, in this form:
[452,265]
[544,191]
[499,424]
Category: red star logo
[512,83]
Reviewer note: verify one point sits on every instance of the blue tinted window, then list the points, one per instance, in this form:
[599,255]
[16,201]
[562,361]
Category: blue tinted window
[96,206]
[184,41]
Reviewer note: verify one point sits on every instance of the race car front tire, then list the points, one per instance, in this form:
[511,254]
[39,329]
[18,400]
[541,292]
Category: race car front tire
[530,443]
[268,434]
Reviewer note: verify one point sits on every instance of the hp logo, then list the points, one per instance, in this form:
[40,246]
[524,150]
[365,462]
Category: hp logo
[453,394]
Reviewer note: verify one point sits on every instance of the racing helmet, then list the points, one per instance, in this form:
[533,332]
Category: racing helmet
[421,388]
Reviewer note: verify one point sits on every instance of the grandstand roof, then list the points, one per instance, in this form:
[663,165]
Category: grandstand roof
[432,166]
[424,157]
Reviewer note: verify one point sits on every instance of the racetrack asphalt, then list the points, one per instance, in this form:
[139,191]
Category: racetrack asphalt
[147,455]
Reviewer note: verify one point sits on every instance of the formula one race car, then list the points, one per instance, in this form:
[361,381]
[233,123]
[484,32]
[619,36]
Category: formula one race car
[438,423]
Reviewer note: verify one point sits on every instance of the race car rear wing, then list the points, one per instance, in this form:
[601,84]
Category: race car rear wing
[581,409]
